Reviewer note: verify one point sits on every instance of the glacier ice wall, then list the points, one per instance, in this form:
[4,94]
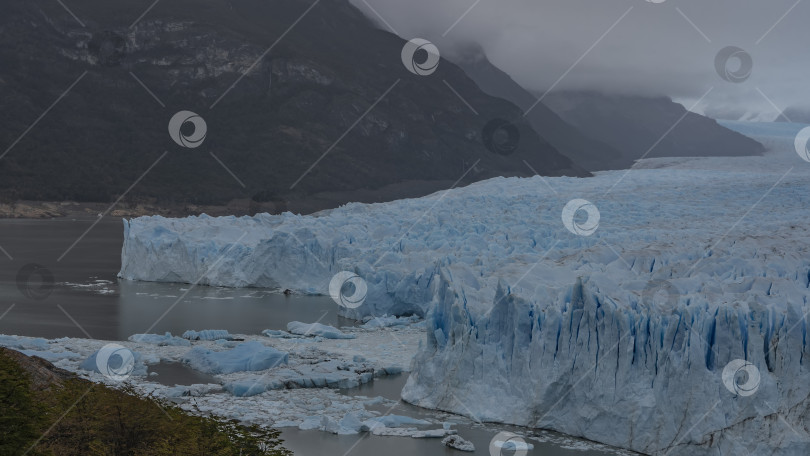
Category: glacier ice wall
[529,323]
[575,360]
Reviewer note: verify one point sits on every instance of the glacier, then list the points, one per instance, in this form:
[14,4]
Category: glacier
[621,332]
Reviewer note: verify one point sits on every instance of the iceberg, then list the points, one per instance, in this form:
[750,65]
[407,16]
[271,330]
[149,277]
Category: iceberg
[249,356]
[207,334]
[116,362]
[156,339]
[50,355]
[24,343]
[392,421]
[315,329]
[458,443]
[317,372]
[351,423]
[671,320]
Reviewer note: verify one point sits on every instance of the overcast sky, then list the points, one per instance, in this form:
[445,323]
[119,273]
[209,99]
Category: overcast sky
[636,46]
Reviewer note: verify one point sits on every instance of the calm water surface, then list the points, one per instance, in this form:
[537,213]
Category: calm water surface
[87,300]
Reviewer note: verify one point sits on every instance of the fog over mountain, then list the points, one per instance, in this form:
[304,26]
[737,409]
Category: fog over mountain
[627,46]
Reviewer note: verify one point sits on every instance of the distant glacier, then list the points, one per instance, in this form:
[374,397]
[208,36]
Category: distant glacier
[668,316]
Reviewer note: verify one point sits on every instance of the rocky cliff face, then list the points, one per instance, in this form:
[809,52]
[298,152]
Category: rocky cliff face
[275,100]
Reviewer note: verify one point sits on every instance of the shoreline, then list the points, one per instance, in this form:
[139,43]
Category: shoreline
[40,210]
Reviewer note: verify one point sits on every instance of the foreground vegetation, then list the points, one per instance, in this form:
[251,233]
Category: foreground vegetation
[46,411]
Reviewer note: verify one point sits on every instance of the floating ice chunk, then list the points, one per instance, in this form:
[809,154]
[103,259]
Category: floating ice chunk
[393,432]
[276,333]
[24,343]
[50,355]
[249,356]
[196,390]
[252,387]
[317,329]
[392,421]
[458,443]
[207,334]
[324,373]
[115,363]
[433,433]
[157,339]
[374,401]
[313,422]
[285,423]
[512,445]
[350,424]
[388,370]
[226,343]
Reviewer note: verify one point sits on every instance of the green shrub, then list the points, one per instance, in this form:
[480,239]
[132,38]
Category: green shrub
[82,418]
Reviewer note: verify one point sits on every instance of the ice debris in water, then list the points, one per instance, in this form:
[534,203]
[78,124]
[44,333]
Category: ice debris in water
[317,329]
[248,356]
[207,334]
[157,339]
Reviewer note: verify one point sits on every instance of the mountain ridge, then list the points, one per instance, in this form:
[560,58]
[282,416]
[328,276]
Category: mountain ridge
[311,113]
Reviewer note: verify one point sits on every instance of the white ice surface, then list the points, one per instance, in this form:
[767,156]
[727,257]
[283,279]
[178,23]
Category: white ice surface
[534,325]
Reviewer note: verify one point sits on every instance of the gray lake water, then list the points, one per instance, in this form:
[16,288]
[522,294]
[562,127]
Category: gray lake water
[87,300]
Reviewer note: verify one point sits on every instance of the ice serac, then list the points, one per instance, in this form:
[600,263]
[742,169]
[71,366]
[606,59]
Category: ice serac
[529,323]
[592,361]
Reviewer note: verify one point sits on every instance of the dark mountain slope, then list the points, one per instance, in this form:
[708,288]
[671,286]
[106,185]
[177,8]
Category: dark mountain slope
[306,96]
[634,124]
[592,154]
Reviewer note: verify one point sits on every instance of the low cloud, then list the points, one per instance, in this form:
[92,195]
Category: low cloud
[626,46]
